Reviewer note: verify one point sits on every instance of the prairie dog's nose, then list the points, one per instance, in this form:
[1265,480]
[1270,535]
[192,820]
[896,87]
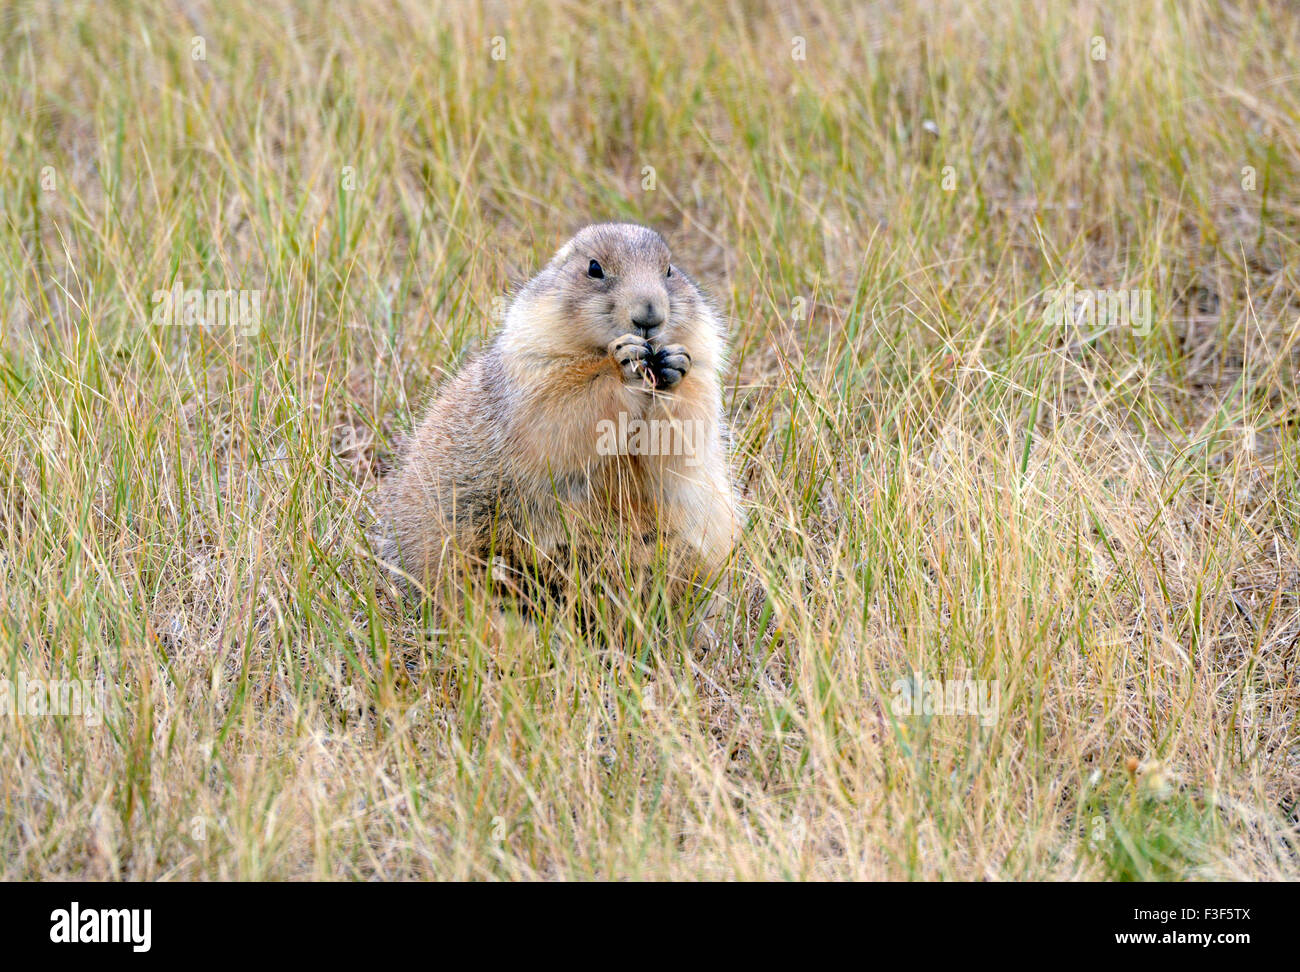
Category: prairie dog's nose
[647,313]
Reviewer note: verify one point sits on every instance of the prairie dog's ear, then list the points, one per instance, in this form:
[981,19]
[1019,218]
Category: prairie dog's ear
[562,254]
[566,251]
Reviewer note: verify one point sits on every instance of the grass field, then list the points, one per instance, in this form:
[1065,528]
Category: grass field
[1092,525]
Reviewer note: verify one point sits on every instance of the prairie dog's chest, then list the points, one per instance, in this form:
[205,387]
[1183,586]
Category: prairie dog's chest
[609,489]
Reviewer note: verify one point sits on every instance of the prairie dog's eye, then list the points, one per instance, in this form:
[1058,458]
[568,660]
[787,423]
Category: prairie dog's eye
[670,271]
[593,270]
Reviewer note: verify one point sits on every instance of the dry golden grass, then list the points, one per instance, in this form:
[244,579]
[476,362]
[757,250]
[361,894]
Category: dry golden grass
[1101,523]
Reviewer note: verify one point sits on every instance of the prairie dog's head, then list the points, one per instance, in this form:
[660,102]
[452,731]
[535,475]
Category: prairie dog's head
[611,279]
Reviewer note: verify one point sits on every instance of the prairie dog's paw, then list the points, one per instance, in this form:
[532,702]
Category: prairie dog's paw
[631,352]
[669,365]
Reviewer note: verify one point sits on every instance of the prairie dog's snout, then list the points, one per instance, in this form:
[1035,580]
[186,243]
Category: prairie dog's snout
[638,299]
[646,307]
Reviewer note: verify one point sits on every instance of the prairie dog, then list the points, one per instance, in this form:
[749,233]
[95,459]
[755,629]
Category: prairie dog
[593,417]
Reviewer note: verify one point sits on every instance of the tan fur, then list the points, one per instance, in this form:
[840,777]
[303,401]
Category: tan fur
[506,460]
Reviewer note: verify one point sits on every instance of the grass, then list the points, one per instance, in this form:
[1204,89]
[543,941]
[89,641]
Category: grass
[1099,523]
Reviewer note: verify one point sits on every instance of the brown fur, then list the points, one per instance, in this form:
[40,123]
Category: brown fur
[506,462]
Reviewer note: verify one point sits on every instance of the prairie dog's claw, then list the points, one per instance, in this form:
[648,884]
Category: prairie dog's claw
[669,365]
[631,353]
